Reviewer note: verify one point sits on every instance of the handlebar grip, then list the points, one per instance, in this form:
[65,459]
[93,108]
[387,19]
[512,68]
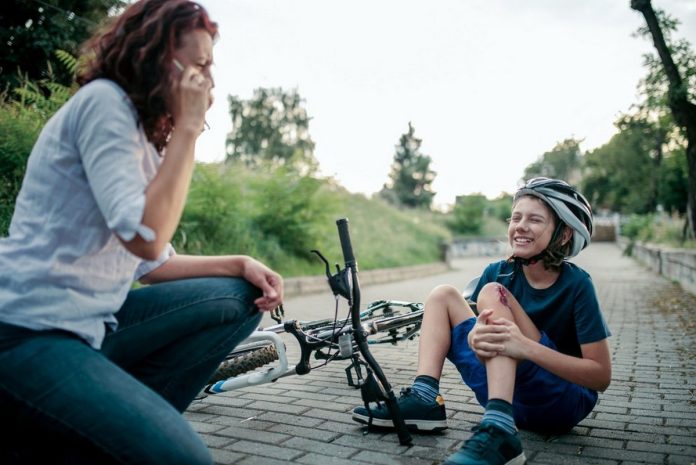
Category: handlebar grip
[346,245]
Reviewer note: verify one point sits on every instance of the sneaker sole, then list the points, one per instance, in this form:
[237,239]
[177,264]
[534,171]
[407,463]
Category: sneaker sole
[519,460]
[420,425]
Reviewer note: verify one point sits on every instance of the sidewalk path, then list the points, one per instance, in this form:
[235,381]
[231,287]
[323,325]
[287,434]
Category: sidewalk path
[648,415]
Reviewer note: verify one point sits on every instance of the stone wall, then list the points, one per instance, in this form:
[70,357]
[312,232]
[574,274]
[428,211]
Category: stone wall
[676,264]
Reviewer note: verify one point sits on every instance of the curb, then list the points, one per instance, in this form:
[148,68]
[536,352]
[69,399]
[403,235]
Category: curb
[311,284]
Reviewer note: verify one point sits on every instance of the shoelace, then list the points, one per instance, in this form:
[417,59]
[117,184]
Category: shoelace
[406,392]
[477,442]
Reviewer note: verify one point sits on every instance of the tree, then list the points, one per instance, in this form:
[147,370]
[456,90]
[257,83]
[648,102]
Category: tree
[272,127]
[468,212]
[609,183]
[679,83]
[562,162]
[410,178]
[31,32]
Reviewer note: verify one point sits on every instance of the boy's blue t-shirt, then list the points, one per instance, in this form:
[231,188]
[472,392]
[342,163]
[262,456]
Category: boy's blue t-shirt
[567,311]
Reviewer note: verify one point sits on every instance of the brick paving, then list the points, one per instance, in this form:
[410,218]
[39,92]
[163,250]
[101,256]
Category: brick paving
[648,414]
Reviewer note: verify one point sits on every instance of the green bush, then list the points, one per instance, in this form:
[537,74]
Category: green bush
[659,228]
[21,120]
[468,214]
[274,215]
[637,227]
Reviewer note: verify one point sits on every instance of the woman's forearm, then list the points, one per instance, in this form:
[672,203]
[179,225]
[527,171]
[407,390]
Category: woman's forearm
[190,266]
[165,196]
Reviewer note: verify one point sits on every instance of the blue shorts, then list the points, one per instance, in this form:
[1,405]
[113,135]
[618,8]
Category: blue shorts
[542,401]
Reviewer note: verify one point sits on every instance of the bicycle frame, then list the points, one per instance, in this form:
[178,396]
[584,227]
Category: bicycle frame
[309,344]
[374,384]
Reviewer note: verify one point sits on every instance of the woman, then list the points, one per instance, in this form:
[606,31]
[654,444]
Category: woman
[537,352]
[101,371]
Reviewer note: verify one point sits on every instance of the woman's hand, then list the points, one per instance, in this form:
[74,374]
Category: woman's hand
[191,95]
[270,283]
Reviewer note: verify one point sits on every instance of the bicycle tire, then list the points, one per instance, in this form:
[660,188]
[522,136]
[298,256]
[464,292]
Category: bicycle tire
[237,364]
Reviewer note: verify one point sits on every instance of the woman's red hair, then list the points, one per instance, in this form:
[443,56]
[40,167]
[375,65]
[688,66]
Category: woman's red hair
[136,51]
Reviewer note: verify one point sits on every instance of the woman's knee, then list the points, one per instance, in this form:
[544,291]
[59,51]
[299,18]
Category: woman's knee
[234,297]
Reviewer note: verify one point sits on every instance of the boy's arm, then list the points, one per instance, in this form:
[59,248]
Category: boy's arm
[593,370]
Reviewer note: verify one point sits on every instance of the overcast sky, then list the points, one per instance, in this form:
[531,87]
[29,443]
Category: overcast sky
[489,85]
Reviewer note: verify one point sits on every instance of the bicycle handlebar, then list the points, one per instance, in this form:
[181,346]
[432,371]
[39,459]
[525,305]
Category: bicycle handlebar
[346,246]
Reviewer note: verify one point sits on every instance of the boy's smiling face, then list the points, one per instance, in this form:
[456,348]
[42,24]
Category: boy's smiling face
[531,226]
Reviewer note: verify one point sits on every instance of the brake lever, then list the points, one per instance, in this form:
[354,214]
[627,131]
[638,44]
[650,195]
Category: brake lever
[338,282]
[278,313]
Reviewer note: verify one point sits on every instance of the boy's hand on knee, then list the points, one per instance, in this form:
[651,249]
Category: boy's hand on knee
[484,338]
[513,345]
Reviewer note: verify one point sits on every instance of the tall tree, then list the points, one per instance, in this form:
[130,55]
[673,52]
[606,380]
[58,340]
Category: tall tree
[271,127]
[562,162]
[618,175]
[32,30]
[410,179]
[679,97]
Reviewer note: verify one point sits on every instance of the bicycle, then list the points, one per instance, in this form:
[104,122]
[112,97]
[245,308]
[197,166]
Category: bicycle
[382,322]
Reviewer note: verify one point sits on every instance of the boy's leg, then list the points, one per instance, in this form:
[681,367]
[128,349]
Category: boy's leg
[173,335]
[82,408]
[445,308]
[495,439]
[420,405]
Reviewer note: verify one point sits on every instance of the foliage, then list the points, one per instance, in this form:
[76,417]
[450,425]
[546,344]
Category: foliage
[671,84]
[654,87]
[232,209]
[278,218]
[561,162]
[411,178]
[637,226]
[661,228]
[21,120]
[608,183]
[32,31]
[272,129]
[673,185]
[468,214]
[500,207]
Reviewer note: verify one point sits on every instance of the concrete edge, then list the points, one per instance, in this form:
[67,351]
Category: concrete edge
[311,284]
[678,265]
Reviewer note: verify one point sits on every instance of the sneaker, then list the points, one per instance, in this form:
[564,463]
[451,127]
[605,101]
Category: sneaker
[417,413]
[489,445]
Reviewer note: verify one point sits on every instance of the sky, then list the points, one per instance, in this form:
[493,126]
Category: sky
[489,85]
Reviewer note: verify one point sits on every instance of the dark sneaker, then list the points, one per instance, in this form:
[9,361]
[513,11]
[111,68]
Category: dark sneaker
[417,413]
[489,445]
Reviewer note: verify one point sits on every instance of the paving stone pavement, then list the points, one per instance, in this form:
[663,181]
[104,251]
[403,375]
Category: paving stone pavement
[648,414]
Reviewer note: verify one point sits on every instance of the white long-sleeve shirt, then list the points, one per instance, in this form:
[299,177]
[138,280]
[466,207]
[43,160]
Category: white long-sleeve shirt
[62,266]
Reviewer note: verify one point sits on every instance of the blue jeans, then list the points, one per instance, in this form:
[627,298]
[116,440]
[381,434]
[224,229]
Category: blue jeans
[123,404]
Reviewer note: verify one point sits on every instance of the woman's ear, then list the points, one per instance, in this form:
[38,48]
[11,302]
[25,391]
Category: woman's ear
[567,235]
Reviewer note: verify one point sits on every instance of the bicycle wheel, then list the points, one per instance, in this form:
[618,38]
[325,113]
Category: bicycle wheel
[247,359]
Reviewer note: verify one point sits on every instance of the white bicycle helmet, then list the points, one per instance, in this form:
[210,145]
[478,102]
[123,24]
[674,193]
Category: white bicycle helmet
[571,207]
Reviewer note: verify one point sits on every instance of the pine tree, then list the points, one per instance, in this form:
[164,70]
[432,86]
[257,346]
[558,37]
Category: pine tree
[410,179]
